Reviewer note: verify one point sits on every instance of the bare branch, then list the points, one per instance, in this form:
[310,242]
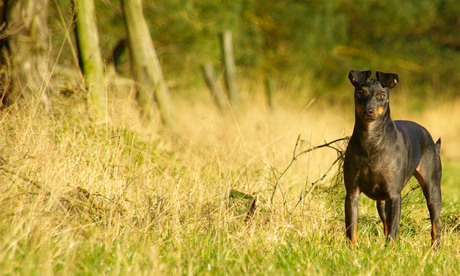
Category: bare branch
[295,155]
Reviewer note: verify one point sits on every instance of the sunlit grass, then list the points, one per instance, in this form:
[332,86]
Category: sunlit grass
[87,198]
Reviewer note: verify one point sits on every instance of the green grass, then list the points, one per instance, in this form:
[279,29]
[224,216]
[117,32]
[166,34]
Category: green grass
[85,198]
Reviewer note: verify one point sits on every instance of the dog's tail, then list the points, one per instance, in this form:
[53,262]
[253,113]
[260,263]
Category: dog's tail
[438,146]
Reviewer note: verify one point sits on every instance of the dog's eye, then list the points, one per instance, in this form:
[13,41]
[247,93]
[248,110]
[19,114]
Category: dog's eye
[381,96]
[360,93]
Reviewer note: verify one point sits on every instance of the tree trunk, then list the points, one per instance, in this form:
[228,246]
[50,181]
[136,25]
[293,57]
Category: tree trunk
[145,64]
[24,36]
[229,63]
[90,55]
[216,91]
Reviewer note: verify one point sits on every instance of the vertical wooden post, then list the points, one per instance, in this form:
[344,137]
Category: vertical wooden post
[229,64]
[269,92]
[216,91]
[90,55]
[145,64]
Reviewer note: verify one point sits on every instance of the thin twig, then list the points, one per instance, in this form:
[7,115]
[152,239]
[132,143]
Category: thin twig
[410,191]
[322,146]
[295,155]
[33,182]
[313,184]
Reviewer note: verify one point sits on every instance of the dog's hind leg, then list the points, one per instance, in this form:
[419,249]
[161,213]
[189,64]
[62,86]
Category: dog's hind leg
[428,174]
[383,217]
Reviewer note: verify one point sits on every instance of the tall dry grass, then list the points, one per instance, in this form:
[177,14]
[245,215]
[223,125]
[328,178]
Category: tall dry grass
[79,196]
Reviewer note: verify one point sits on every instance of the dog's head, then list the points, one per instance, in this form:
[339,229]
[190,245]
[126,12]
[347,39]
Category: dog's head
[372,96]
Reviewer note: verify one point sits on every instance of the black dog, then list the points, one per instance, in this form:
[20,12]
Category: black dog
[383,154]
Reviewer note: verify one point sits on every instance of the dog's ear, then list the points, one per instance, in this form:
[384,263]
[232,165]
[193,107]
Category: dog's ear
[387,79]
[357,77]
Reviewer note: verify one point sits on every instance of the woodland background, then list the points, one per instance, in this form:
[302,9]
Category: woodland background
[115,158]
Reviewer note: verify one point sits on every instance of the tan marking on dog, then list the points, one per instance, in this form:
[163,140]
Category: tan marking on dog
[359,109]
[434,229]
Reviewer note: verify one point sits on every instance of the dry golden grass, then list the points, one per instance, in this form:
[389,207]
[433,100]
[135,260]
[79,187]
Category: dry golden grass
[77,196]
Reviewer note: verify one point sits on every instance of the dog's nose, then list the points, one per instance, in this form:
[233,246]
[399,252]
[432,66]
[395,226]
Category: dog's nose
[369,111]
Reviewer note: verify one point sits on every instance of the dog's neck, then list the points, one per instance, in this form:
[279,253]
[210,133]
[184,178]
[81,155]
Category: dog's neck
[375,135]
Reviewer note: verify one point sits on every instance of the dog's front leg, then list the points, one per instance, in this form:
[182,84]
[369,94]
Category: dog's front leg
[393,214]
[351,215]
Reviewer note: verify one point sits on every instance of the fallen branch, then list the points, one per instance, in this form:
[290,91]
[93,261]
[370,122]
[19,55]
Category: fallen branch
[313,184]
[410,191]
[28,180]
[296,155]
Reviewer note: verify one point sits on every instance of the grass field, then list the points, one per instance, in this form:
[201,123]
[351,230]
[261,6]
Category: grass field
[79,197]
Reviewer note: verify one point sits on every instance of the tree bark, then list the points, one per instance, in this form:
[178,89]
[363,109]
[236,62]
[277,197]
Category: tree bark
[24,45]
[229,64]
[145,64]
[90,55]
[216,91]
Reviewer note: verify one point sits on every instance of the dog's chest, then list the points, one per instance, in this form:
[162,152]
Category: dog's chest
[372,183]
[376,172]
